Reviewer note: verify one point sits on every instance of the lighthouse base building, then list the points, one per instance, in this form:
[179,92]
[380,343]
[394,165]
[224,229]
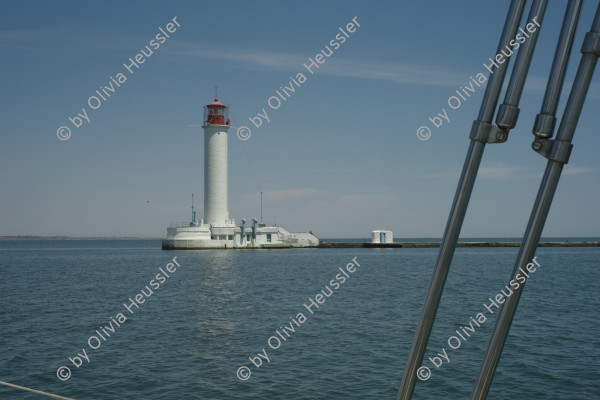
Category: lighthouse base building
[216,230]
[203,237]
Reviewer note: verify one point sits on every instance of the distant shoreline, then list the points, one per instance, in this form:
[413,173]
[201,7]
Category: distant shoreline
[8,238]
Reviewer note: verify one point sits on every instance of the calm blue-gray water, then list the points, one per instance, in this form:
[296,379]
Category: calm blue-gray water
[203,324]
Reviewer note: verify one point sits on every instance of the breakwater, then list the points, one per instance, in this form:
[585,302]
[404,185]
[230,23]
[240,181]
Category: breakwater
[346,245]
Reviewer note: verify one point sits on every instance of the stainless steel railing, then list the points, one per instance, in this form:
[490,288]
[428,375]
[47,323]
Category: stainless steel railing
[557,151]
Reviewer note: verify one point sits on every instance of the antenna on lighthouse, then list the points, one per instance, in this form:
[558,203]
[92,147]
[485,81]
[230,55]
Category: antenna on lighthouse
[261,207]
[193,223]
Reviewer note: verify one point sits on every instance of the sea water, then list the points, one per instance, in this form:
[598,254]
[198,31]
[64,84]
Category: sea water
[218,310]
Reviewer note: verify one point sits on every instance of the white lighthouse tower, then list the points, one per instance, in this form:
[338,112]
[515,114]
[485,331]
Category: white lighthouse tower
[216,230]
[216,124]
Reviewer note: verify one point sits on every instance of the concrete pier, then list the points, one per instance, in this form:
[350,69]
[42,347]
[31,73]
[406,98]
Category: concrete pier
[347,245]
[367,245]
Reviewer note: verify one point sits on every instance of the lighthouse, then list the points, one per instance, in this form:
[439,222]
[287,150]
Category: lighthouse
[216,230]
[216,125]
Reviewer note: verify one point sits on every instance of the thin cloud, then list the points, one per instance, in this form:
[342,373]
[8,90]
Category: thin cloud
[285,195]
[570,170]
[396,72]
[362,199]
[497,173]
[445,174]
[403,73]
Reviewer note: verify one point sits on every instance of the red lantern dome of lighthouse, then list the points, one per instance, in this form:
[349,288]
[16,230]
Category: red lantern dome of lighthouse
[216,113]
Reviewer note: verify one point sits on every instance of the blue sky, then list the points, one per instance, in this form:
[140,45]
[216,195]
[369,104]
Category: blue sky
[340,157]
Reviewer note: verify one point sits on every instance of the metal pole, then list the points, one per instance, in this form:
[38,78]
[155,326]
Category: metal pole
[509,110]
[558,156]
[546,119]
[458,211]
